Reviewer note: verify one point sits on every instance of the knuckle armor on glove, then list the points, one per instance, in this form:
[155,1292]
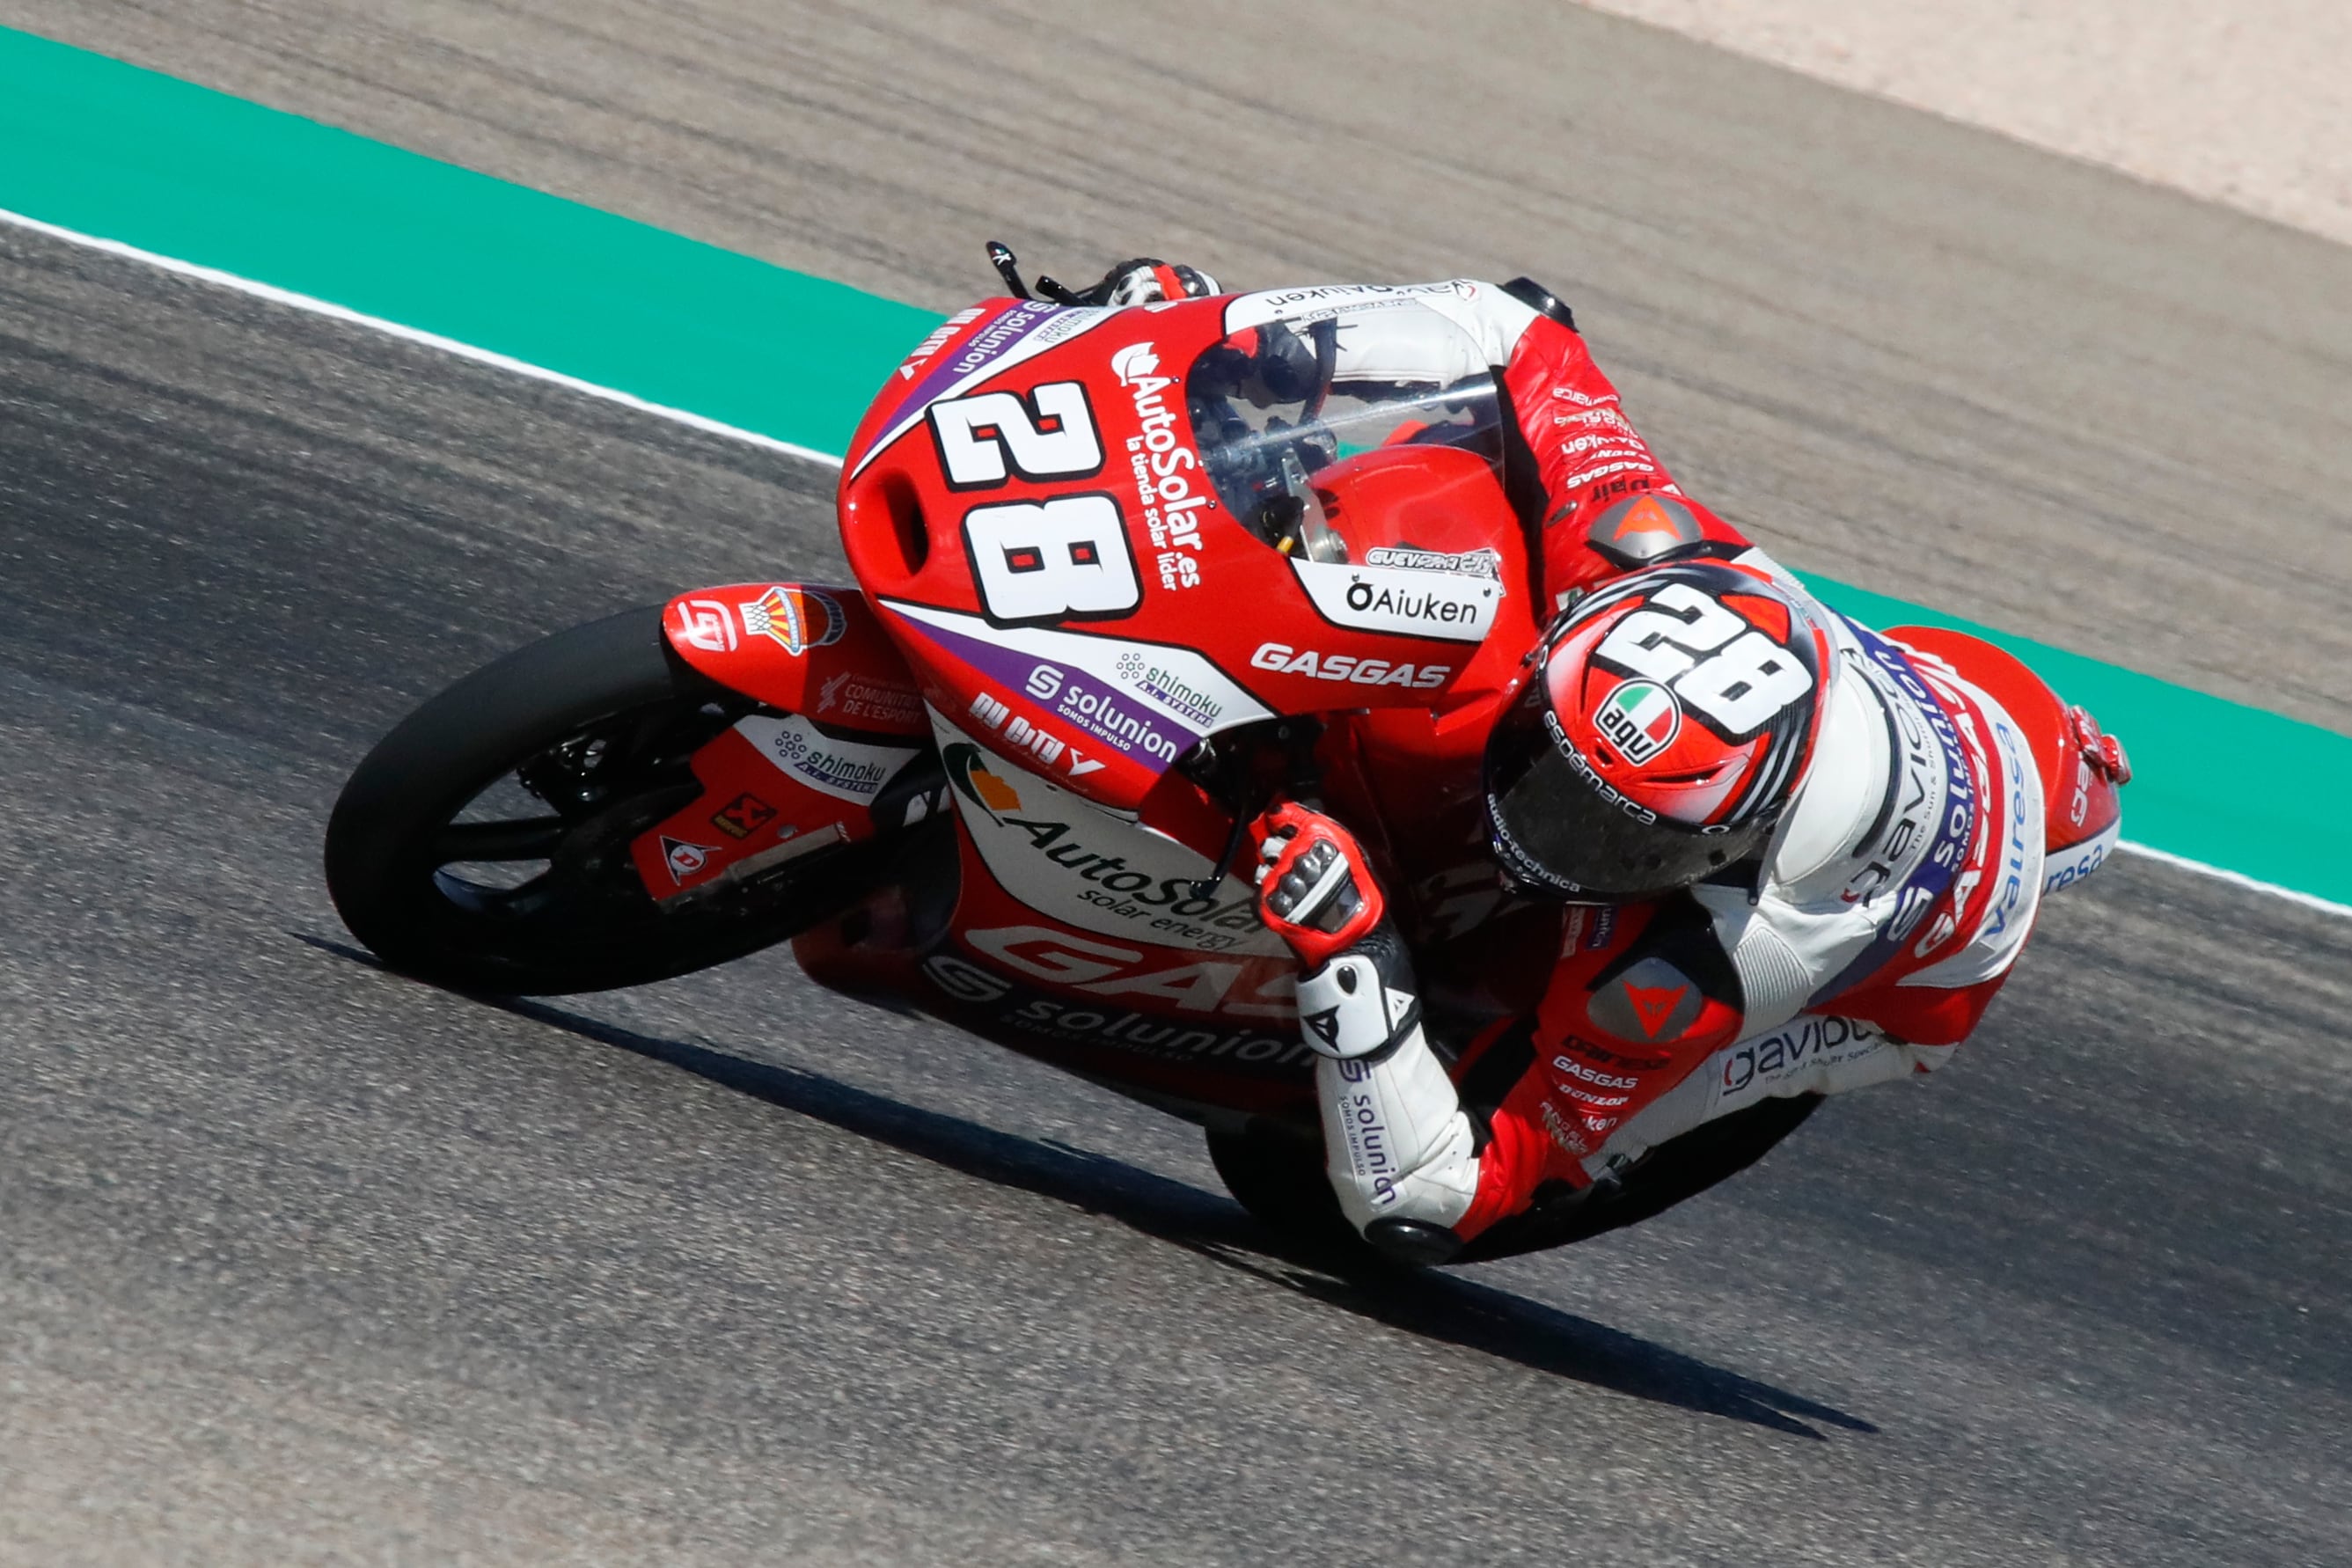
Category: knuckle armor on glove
[1317,892]
[1146,280]
[1316,889]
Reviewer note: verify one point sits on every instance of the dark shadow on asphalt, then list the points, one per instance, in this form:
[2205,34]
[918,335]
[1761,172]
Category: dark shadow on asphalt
[1435,1305]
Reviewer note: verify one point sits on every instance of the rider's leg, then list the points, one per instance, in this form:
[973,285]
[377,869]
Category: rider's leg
[1810,1054]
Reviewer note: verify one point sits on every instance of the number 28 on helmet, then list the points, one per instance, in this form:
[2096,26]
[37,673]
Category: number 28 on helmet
[1655,736]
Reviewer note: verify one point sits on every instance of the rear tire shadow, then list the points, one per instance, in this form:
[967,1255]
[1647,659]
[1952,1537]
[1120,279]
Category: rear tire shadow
[1442,1307]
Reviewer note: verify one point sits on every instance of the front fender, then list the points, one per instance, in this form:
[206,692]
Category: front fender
[825,761]
[800,647]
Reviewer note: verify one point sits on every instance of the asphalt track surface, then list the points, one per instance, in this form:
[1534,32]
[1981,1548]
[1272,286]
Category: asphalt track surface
[1920,358]
[301,1262]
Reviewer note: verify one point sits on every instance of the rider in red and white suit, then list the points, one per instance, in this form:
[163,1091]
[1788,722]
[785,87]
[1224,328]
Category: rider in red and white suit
[1816,882]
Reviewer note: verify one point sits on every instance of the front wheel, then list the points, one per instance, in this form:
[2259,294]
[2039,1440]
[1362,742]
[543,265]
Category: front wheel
[484,844]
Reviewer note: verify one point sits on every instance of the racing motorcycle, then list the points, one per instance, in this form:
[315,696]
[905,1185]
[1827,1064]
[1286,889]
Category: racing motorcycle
[1117,591]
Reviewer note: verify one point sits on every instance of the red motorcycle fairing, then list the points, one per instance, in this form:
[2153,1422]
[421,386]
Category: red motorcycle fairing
[1100,1009]
[777,785]
[1087,940]
[1031,510]
[1207,1067]
[803,647]
[1068,590]
[1083,938]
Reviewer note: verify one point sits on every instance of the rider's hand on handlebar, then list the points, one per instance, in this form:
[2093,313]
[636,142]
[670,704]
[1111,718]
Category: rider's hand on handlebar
[1315,888]
[1147,281]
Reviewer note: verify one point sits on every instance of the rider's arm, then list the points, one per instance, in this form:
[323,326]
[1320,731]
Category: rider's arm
[1640,997]
[1610,506]
[1401,1154]
[1593,467]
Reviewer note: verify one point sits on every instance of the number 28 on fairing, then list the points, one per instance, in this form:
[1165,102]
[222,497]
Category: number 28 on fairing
[1065,559]
[985,439]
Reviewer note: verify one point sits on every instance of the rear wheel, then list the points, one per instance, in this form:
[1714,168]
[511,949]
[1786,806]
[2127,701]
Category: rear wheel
[1680,1168]
[1275,1170]
[484,844]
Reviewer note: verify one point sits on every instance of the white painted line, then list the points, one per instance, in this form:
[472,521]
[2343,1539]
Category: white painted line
[316,307]
[735,432]
[2237,878]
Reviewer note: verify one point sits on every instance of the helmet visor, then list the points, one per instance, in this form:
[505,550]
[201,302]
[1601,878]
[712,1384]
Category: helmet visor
[1562,831]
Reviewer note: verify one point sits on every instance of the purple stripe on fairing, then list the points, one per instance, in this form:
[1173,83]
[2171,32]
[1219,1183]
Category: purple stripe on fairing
[1082,698]
[990,344]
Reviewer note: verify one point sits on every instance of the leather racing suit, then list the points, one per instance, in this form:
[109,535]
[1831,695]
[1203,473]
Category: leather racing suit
[1895,896]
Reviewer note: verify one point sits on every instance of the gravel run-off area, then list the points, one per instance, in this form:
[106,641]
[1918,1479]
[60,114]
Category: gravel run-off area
[2248,104]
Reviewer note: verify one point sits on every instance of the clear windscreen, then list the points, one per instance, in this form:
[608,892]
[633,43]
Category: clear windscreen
[1276,405]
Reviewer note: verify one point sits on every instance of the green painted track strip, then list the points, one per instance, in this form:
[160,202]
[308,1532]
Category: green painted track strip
[105,150]
[2189,793]
[91,144]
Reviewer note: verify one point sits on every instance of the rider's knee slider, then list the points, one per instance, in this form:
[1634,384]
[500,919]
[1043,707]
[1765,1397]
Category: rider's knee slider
[1415,1242]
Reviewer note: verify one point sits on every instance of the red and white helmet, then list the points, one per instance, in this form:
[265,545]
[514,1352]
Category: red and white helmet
[1655,735]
